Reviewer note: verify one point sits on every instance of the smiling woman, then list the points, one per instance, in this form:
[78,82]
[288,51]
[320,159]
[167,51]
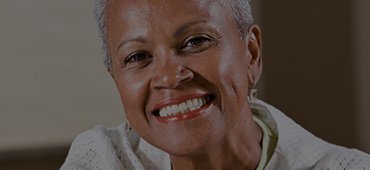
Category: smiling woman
[184,76]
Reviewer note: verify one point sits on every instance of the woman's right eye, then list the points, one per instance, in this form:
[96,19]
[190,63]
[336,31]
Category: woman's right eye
[138,59]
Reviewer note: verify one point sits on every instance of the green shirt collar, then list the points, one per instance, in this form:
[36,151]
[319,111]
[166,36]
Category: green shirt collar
[266,122]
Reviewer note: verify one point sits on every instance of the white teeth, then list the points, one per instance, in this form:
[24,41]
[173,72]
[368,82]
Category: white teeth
[163,112]
[195,102]
[189,103]
[174,109]
[183,107]
[201,102]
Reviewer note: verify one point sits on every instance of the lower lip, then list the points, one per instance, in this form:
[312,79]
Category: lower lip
[183,116]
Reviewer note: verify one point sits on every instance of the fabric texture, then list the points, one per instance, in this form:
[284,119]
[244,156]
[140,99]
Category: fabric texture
[119,149]
[270,134]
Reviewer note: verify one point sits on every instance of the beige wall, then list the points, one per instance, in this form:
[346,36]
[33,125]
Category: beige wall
[53,84]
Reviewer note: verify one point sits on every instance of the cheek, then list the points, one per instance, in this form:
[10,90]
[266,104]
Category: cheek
[232,79]
[236,66]
[133,94]
[232,72]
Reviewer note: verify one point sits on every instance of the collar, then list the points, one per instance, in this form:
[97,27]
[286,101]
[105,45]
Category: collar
[266,122]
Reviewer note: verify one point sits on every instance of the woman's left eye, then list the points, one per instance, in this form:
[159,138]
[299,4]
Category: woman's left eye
[197,43]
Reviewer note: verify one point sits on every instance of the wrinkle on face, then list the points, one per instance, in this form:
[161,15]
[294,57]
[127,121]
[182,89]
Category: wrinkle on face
[156,27]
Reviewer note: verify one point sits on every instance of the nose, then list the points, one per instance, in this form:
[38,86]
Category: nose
[171,75]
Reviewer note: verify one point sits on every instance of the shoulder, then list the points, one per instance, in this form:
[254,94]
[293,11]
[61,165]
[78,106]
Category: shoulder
[344,158]
[93,149]
[299,149]
[113,148]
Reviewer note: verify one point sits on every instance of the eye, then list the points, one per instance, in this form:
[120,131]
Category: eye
[197,43]
[139,58]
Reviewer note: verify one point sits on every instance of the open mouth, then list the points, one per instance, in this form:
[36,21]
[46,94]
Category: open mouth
[184,110]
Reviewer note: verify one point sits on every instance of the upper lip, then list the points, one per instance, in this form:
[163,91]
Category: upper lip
[176,100]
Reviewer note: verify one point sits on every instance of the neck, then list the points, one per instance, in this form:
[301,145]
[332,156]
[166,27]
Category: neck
[239,149]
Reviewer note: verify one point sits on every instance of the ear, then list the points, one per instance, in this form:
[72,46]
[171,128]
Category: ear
[254,43]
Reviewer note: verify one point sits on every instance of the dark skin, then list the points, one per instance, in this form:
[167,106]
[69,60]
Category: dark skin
[166,51]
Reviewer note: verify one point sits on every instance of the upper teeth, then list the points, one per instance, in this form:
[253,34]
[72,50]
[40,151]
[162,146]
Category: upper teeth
[188,105]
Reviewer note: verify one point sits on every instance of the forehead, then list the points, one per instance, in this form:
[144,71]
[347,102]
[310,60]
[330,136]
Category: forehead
[163,6]
[161,12]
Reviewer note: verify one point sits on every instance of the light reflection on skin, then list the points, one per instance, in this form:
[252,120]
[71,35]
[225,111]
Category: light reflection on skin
[168,51]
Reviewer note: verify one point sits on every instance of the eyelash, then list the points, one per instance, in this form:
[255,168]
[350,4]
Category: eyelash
[197,43]
[138,56]
[192,44]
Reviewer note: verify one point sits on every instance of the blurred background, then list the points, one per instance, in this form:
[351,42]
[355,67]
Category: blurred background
[53,84]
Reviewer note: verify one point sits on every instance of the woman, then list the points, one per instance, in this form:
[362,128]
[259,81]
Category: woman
[184,69]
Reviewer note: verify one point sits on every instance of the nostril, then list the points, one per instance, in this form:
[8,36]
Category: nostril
[185,75]
[171,76]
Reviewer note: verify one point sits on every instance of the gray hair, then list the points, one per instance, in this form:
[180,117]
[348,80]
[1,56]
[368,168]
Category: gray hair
[241,8]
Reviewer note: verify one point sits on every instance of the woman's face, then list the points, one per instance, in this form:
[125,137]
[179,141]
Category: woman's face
[181,68]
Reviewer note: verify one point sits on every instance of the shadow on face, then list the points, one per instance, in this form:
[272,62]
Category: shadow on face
[182,70]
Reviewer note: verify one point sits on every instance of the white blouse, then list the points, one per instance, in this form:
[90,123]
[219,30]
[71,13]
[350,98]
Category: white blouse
[118,148]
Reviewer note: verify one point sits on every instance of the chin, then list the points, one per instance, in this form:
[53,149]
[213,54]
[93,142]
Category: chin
[186,150]
[190,144]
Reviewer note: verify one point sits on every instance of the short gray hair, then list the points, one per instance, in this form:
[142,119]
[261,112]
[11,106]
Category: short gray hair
[241,8]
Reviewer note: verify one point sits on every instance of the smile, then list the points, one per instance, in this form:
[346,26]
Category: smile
[184,110]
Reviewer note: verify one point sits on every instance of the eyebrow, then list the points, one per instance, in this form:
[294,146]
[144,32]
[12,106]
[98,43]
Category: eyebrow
[184,27]
[179,31]
[137,39]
